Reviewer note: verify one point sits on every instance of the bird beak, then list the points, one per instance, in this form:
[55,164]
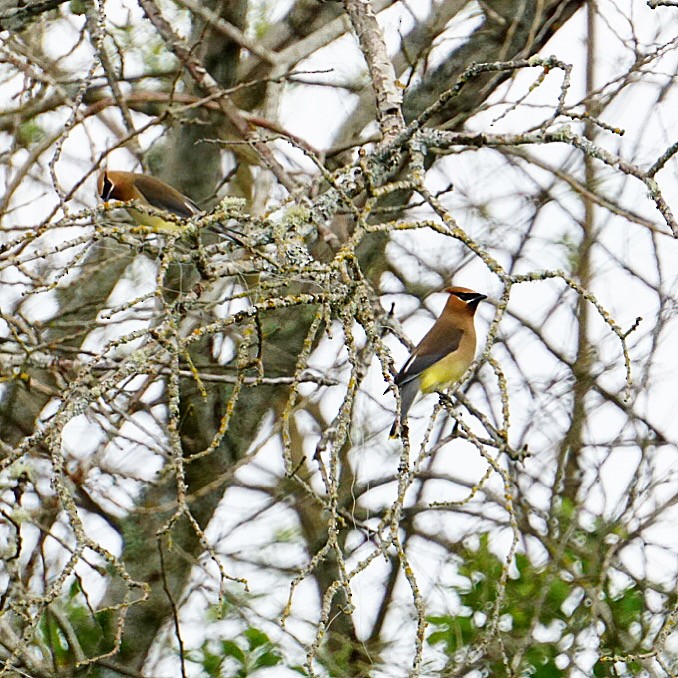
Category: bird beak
[475,300]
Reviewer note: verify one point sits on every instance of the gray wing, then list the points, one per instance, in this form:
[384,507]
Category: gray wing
[440,341]
[177,203]
[170,200]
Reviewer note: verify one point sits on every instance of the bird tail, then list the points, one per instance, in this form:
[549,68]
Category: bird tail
[231,233]
[408,392]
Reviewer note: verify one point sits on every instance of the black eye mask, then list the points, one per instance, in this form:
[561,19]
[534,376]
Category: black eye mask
[106,189]
[468,296]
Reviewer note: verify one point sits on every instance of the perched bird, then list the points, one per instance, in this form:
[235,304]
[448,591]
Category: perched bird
[444,354]
[150,192]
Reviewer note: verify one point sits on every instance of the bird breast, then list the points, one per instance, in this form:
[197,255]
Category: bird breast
[449,369]
[154,222]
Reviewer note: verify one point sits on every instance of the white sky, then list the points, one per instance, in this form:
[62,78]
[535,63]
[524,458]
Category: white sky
[478,177]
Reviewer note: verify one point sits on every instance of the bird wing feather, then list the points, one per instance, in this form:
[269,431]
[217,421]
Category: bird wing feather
[169,200]
[444,338]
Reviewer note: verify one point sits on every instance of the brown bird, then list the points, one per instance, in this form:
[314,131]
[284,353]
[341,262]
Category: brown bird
[442,357]
[150,192]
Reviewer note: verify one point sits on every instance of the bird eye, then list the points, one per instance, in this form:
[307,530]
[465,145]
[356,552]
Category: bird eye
[106,189]
[466,296]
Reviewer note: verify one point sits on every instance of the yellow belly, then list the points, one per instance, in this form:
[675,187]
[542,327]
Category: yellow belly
[444,373]
[156,223]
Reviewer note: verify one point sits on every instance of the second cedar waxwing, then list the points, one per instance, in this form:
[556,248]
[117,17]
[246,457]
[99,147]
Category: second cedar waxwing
[150,192]
[442,357]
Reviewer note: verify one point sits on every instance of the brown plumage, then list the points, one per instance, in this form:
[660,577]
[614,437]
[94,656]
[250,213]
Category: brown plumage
[150,192]
[442,357]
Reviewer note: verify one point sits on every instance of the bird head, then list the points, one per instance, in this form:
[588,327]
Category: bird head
[105,186]
[463,298]
[122,186]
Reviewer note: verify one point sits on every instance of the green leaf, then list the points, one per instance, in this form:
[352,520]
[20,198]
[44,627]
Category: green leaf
[558,594]
[78,6]
[270,658]
[231,649]
[628,607]
[541,658]
[211,663]
[256,638]
[30,133]
[455,632]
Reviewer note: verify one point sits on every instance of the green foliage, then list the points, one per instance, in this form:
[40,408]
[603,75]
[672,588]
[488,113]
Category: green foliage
[71,621]
[250,651]
[564,601]
[78,7]
[30,133]
[244,653]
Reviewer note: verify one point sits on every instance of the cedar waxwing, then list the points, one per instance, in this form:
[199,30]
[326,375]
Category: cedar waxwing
[150,192]
[442,357]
